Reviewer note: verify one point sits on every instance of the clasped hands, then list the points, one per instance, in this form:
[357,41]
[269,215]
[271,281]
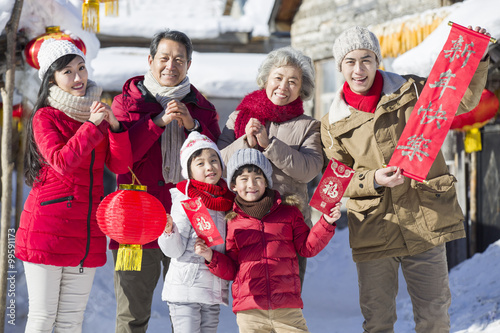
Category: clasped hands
[256,134]
[100,111]
[175,110]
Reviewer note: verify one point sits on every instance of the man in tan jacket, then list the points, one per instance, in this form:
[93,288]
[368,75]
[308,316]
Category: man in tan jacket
[393,220]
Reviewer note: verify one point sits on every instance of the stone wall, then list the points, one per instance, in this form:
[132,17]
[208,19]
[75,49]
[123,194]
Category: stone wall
[318,22]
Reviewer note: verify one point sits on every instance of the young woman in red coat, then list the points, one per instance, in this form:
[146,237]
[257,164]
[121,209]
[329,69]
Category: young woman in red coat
[71,135]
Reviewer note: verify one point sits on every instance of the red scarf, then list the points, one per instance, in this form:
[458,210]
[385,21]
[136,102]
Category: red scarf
[257,105]
[368,102]
[215,197]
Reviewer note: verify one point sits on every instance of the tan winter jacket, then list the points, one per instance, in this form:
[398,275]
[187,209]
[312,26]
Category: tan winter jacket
[410,218]
[295,153]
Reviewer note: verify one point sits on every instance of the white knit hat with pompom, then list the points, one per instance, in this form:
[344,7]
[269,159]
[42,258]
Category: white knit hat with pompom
[194,142]
[53,49]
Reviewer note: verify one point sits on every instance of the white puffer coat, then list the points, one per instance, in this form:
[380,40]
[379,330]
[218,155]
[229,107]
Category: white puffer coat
[188,278]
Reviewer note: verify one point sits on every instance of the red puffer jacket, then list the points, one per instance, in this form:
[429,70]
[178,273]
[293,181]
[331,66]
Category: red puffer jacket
[136,107]
[261,256]
[58,224]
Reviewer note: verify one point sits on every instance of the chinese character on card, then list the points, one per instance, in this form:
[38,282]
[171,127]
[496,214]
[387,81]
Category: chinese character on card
[332,186]
[201,221]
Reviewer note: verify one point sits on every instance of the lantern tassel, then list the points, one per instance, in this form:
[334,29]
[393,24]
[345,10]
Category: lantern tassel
[129,257]
[111,8]
[90,16]
[472,141]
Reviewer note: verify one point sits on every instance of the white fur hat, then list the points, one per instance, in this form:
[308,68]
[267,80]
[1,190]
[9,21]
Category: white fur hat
[196,141]
[356,38]
[253,157]
[53,49]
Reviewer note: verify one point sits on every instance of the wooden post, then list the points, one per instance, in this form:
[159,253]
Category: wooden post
[6,231]
[20,167]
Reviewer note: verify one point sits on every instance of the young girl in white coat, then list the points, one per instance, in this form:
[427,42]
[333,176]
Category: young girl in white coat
[192,292]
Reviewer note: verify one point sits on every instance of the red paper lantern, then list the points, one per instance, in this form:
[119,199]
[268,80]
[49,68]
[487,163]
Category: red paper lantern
[32,48]
[131,215]
[17,110]
[480,115]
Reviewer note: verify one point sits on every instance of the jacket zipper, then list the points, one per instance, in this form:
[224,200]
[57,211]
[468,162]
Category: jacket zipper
[50,202]
[267,267]
[89,214]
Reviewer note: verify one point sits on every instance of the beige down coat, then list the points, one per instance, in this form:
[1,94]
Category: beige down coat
[410,218]
[294,151]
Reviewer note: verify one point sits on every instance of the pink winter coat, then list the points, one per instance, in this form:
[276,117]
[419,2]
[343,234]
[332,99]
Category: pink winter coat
[261,255]
[58,224]
[136,107]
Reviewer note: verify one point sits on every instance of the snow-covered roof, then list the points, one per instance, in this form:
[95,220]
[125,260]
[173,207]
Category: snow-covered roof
[199,19]
[215,74]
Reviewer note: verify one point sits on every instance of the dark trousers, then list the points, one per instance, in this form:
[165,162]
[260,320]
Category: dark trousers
[134,291]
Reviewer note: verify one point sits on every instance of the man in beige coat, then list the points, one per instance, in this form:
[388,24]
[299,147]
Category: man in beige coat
[393,220]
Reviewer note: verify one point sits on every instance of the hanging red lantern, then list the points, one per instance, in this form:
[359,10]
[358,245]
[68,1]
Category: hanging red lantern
[32,48]
[17,110]
[473,120]
[480,115]
[132,217]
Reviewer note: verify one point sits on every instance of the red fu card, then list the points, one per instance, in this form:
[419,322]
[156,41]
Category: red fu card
[201,221]
[332,186]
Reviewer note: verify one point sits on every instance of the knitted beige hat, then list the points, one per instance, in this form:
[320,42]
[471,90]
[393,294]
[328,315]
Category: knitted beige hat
[194,142]
[253,157]
[53,49]
[356,38]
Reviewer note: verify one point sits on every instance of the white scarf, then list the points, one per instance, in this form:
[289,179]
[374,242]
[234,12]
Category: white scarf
[173,136]
[76,107]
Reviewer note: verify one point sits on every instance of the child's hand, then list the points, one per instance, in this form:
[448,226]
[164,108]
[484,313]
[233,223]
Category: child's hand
[170,224]
[334,214]
[201,248]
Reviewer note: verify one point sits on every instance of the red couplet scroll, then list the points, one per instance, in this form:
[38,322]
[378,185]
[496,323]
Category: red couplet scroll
[332,186]
[201,221]
[436,107]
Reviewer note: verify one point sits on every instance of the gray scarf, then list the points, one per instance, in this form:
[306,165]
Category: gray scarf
[173,136]
[76,107]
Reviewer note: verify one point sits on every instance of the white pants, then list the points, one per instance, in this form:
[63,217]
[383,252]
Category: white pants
[57,297]
[194,317]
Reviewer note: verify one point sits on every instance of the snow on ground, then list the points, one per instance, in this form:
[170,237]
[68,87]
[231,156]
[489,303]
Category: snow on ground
[330,296]
[330,289]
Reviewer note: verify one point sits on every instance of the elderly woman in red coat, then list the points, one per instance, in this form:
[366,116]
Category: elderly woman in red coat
[71,135]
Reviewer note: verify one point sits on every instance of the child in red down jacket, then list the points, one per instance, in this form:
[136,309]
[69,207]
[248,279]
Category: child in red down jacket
[265,233]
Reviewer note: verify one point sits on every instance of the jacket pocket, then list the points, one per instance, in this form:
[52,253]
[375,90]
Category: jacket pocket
[58,200]
[438,202]
[189,274]
[181,273]
[366,225]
